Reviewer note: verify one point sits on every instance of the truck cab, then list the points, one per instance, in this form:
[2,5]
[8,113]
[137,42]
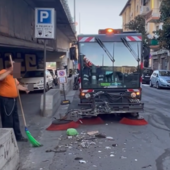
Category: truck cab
[110,67]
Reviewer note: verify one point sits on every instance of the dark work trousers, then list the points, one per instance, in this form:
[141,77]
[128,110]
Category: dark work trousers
[9,115]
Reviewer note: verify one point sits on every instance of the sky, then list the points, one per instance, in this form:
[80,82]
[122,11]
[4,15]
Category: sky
[97,14]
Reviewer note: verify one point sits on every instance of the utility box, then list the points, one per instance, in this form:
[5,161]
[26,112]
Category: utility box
[9,152]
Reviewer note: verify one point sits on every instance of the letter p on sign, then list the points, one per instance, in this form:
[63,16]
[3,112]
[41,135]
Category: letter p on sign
[44,16]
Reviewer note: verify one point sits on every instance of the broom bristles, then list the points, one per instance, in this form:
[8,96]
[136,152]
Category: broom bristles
[31,139]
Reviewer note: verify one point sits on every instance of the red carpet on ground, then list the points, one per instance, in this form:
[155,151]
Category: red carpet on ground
[135,122]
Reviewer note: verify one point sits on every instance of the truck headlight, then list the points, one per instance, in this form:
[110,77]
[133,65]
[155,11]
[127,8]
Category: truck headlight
[133,95]
[87,95]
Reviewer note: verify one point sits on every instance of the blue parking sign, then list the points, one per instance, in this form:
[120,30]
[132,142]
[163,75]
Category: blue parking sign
[45,23]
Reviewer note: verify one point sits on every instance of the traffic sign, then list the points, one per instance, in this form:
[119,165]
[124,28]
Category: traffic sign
[61,73]
[45,22]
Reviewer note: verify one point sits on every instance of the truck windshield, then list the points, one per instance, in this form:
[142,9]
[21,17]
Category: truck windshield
[100,71]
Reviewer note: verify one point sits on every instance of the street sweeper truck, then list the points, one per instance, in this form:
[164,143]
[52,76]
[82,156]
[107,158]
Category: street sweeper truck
[110,68]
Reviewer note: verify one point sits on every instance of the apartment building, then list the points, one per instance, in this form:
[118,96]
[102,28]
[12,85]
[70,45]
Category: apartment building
[149,9]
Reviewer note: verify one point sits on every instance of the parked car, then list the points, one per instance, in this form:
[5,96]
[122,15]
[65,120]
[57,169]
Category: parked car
[36,78]
[160,79]
[146,75]
[52,72]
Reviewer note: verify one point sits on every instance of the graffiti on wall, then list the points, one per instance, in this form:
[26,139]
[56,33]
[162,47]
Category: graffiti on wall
[28,62]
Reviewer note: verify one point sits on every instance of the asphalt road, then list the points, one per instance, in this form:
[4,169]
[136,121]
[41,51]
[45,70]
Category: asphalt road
[137,147]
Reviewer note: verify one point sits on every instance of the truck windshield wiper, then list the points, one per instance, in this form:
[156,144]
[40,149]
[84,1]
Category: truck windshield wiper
[127,45]
[105,49]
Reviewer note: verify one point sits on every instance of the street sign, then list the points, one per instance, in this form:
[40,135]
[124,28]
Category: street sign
[62,80]
[61,73]
[45,22]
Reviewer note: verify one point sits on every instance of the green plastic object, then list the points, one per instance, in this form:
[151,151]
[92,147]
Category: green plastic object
[31,139]
[72,132]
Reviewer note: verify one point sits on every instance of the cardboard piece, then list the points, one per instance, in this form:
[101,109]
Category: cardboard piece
[17,70]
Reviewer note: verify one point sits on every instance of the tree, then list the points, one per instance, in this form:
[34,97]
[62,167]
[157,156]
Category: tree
[138,24]
[164,33]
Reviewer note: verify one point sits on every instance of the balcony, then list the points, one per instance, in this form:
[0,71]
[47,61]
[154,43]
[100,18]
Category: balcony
[144,10]
[152,16]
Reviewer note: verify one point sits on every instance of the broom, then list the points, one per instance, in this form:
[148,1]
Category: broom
[31,139]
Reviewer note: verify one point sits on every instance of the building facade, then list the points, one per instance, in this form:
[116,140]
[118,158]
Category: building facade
[149,9]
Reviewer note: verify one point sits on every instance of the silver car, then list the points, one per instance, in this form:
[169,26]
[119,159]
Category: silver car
[160,79]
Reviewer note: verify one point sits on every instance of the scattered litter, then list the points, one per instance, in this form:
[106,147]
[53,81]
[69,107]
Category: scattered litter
[109,138]
[70,137]
[147,166]
[111,155]
[60,151]
[86,143]
[123,157]
[78,158]
[107,147]
[114,145]
[100,136]
[93,133]
[72,132]
[95,166]
[136,160]
[70,153]
[82,161]
[99,151]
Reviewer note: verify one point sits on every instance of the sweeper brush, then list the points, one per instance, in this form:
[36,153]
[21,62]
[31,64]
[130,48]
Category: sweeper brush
[135,122]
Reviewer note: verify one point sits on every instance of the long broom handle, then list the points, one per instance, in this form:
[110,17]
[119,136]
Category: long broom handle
[19,97]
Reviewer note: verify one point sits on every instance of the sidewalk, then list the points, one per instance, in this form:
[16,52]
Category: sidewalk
[37,158]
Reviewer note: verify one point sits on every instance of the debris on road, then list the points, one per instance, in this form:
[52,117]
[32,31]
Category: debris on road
[99,151]
[147,166]
[123,157]
[114,145]
[109,138]
[93,133]
[107,147]
[136,160]
[112,155]
[94,166]
[82,161]
[78,158]
[100,136]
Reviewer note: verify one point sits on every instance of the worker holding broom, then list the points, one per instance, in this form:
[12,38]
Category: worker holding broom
[8,101]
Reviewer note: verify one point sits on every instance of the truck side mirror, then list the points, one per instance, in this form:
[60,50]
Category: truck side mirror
[146,54]
[146,63]
[73,53]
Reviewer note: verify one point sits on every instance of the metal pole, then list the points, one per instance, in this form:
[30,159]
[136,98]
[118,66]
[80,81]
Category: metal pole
[64,92]
[44,96]
[74,11]
[79,24]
